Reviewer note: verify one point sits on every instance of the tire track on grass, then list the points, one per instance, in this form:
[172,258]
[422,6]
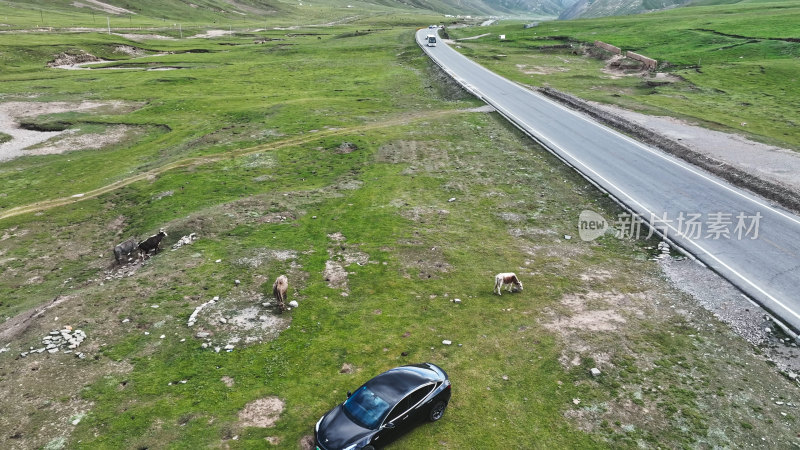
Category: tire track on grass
[201,160]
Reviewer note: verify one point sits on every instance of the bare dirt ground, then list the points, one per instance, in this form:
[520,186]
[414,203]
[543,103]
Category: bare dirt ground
[212,34]
[262,413]
[71,140]
[145,37]
[100,6]
[22,139]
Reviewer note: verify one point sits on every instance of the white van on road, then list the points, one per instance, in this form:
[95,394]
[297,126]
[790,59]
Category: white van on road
[430,40]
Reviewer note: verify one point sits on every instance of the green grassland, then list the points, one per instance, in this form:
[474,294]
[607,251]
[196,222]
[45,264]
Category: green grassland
[335,145]
[737,63]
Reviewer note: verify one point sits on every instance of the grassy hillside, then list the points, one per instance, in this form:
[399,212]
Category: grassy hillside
[246,13]
[340,157]
[736,63]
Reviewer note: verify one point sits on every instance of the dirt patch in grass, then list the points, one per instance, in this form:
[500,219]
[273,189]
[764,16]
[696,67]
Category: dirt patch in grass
[540,70]
[12,113]
[261,413]
[335,275]
[420,155]
[416,258]
[424,214]
[130,50]
[73,139]
[238,319]
[667,366]
[582,317]
[101,6]
[259,257]
[65,59]
[340,256]
[13,327]
[145,37]
[211,34]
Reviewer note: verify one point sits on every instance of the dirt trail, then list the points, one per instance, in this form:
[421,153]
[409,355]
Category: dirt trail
[197,161]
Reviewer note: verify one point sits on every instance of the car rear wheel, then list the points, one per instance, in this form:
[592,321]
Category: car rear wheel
[437,411]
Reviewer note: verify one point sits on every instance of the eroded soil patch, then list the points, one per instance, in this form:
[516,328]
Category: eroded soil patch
[11,113]
[262,413]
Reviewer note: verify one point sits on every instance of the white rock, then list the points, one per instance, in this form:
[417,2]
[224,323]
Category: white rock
[451,199]
[576,401]
[217,349]
[223,320]
[146,333]
[53,350]
[446,342]
[203,334]
[595,372]
[162,336]
[154,306]
[456,300]
[184,381]
[204,345]
[567,237]
[126,320]
[293,304]
[218,261]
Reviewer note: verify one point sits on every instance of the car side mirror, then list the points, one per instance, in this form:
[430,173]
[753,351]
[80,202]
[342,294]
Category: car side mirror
[388,425]
[349,394]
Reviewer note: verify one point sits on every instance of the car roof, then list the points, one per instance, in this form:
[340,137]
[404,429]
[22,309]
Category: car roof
[394,384]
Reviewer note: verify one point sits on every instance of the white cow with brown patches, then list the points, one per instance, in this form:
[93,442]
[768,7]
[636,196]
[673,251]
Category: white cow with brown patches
[507,278]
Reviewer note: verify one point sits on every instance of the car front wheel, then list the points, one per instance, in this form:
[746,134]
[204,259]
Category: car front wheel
[437,411]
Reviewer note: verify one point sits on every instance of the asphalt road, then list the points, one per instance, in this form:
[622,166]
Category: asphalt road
[754,245]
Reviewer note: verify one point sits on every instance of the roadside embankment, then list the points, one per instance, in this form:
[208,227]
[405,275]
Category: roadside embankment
[773,190]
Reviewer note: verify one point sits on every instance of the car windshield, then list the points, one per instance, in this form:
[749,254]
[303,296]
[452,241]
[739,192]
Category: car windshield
[366,408]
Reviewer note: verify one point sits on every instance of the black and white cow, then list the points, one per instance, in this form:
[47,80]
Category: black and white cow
[151,243]
[124,249]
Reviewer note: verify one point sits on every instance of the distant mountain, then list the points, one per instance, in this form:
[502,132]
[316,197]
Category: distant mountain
[603,8]
[542,7]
